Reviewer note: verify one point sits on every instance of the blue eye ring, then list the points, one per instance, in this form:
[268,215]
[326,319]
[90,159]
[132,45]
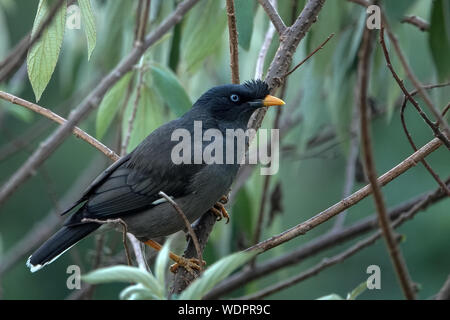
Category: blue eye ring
[234,97]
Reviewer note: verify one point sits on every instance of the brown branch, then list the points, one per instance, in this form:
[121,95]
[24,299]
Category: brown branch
[233,40]
[416,21]
[124,232]
[58,119]
[369,161]
[142,22]
[348,202]
[186,223]
[273,16]
[310,55]
[92,100]
[319,244]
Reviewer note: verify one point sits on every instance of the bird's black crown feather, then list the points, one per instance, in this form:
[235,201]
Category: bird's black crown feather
[259,88]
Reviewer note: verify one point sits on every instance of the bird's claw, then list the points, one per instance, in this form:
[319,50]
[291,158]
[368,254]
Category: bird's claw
[189,265]
[219,210]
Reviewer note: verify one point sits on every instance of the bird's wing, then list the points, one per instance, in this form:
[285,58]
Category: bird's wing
[97,181]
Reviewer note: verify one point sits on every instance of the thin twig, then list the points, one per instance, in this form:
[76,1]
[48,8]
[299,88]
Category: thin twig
[58,119]
[369,161]
[142,22]
[444,293]
[186,223]
[233,40]
[273,16]
[137,251]
[416,21]
[310,55]
[265,47]
[319,244]
[348,202]
[124,232]
[48,146]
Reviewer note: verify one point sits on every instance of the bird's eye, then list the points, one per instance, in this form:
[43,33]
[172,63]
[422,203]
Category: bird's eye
[234,98]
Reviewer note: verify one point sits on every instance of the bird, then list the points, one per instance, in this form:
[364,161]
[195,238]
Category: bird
[129,189]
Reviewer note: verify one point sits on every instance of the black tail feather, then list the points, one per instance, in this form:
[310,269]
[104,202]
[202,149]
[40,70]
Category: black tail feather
[61,241]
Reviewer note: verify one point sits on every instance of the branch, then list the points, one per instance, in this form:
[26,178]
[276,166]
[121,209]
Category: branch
[416,21]
[92,100]
[348,202]
[186,223]
[273,16]
[233,34]
[444,293]
[58,119]
[264,48]
[369,160]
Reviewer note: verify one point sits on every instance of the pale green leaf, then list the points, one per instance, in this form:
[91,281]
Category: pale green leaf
[138,292]
[203,32]
[129,274]
[88,19]
[332,296]
[357,291]
[170,89]
[110,104]
[162,261]
[43,56]
[215,274]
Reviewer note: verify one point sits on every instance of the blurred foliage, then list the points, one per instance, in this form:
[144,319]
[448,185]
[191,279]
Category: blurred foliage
[190,59]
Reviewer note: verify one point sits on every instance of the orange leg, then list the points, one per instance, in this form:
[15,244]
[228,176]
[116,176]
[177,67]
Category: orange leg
[219,209]
[188,264]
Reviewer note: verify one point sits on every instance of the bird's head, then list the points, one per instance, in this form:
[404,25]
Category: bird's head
[236,102]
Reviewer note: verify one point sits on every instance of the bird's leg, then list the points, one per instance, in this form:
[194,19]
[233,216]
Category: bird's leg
[219,209]
[188,263]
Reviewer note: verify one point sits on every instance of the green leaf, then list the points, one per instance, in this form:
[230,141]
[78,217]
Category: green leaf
[332,296]
[203,32]
[148,116]
[162,261]
[170,89]
[122,273]
[245,11]
[357,291]
[215,274]
[110,104]
[43,56]
[439,37]
[138,292]
[88,19]
[243,212]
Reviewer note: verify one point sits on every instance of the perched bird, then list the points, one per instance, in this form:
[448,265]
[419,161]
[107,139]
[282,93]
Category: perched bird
[129,188]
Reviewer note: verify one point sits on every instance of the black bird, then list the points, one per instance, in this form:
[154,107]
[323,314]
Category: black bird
[129,188]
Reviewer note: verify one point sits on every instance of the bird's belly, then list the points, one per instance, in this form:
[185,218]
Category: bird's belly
[164,220]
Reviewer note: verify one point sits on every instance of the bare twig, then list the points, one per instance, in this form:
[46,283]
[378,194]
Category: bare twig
[92,100]
[186,223]
[351,200]
[142,19]
[319,244]
[310,55]
[417,21]
[137,251]
[124,232]
[233,40]
[58,119]
[273,16]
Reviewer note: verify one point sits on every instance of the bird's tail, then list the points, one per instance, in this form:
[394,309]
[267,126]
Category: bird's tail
[59,243]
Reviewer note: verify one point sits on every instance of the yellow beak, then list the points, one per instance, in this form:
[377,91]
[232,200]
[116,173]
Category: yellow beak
[272,101]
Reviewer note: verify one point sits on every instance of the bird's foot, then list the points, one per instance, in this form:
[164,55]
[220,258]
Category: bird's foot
[219,209]
[190,264]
